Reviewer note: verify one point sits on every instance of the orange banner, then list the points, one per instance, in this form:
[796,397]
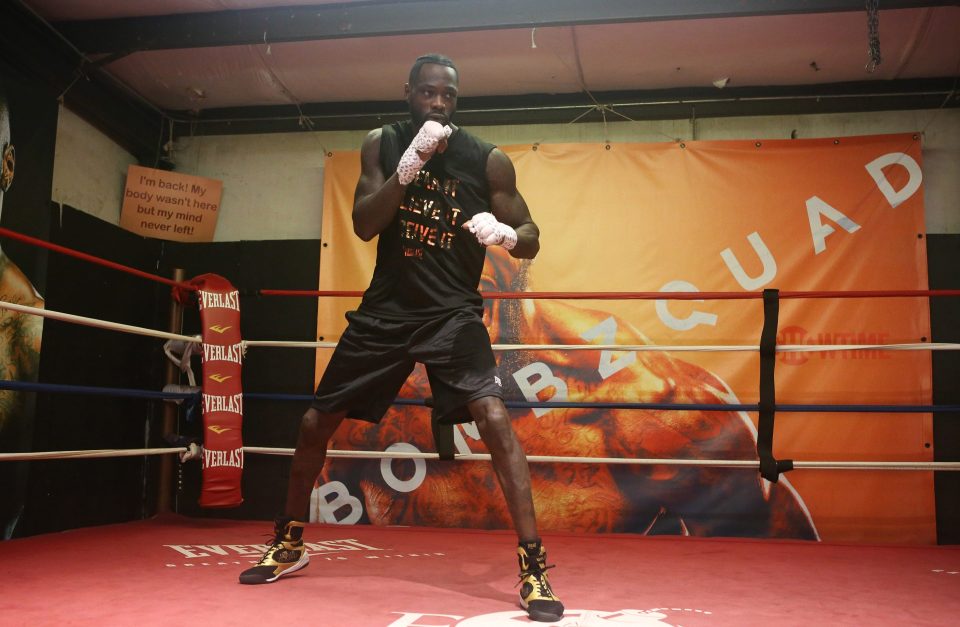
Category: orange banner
[819,214]
[170,205]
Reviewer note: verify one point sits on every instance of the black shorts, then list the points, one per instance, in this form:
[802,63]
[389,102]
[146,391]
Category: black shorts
[374,358]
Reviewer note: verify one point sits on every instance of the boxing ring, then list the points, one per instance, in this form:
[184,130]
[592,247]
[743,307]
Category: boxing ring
[172,569]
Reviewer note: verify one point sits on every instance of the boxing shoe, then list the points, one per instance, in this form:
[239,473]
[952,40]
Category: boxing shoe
[536,596]
[286,554]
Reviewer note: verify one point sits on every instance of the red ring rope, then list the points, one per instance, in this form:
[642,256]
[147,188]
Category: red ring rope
[505,295]
[93,259]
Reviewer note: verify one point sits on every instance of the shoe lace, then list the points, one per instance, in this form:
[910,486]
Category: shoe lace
[539,576]
[275,542]
[275,538]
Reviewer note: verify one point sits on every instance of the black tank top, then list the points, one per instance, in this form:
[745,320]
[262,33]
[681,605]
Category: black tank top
[428,265]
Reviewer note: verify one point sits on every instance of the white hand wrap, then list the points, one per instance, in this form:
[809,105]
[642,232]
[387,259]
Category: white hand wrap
[425,141]
[491,232]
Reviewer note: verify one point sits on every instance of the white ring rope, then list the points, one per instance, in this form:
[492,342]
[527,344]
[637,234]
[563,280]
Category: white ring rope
[783,348]
[93,453]
[93,322]
[539,459]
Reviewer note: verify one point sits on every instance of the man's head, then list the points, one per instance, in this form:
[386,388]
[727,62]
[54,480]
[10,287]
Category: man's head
[431,90]
[6,147]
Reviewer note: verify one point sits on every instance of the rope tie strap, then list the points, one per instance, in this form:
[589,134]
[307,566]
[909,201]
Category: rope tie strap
[770,467]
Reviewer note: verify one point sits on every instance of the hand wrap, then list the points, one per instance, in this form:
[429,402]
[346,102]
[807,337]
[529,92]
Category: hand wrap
[491,232]
[425,141]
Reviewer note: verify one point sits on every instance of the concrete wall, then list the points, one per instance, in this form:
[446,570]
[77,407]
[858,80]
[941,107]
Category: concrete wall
[89,169]
[273,184]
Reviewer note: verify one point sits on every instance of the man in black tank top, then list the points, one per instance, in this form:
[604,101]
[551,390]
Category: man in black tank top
[437,197]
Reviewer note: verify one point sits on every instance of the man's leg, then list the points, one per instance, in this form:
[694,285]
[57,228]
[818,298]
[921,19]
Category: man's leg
[316,429]
[287,553]
[509,462]
[513,473]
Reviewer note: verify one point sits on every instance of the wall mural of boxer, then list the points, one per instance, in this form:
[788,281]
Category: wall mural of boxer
[28,124]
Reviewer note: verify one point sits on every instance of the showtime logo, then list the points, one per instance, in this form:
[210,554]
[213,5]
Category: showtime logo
[799,335]
[656,617]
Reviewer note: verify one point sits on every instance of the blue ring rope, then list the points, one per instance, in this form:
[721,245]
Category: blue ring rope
[30,386]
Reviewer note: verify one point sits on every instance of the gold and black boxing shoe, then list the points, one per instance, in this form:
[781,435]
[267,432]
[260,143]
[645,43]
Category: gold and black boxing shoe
[286,554]
[536,596]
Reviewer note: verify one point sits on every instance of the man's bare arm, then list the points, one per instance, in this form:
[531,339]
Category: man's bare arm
[509,207]
[377,198]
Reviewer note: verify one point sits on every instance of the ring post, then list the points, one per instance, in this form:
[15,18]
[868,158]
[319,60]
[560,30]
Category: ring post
[170,410]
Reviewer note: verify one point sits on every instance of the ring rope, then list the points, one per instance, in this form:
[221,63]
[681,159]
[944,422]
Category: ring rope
[497,295]
[30,386]
[4,232]
[798,408]
[537,459]
[785,348]
[752,407]
[93,259]
[645,295]
[100,324]
[706,348]
[93,453]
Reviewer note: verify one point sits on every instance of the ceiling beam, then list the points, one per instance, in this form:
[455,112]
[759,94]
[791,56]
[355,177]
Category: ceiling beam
[31,48]
[409,17]
[647,105]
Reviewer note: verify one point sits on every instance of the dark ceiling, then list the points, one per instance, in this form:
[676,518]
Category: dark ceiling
[144,70]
